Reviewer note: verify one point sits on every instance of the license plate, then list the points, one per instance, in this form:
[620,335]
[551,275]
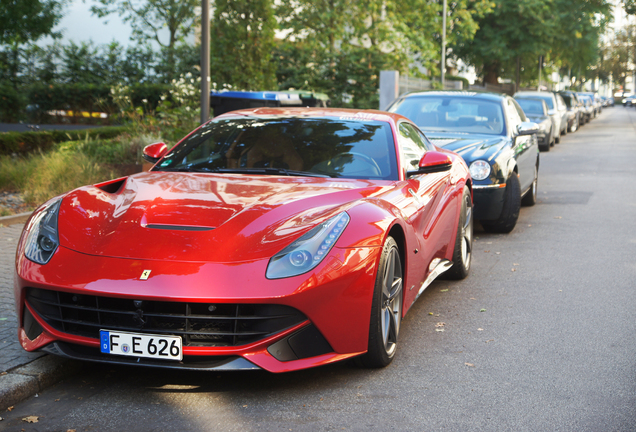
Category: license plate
[141,345]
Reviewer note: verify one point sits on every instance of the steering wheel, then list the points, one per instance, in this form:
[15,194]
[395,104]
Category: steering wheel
[366,159]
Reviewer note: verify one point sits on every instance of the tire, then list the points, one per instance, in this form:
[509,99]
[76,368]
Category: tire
[575,125]
[386,309]
[530,198]
[510,211]
[462,253]
[545,148]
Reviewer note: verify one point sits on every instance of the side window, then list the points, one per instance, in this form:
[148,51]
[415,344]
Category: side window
[522,114]
[413,145]
[514,116]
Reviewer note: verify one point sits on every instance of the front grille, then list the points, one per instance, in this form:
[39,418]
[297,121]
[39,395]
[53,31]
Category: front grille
[199,324]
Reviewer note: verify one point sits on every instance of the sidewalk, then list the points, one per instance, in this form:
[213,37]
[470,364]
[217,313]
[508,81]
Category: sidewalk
[22,374]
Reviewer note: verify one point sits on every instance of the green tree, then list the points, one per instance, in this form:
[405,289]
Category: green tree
[340,46]
[23,21]
[242,44]
[149,18]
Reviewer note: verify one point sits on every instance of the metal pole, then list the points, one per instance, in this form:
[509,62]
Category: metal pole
[443,44]
[205,60]
[540,66]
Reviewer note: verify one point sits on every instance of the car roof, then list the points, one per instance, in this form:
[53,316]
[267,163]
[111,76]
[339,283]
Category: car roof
[534,93]
[458,93]
[353,114]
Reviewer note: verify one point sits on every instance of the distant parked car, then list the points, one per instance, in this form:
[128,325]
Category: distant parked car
[629,101]
[575,110]
[596,102]
[493,135]
[588,104]
[556,113]
[537,111]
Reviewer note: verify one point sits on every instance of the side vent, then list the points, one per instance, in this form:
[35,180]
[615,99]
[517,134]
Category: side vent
[112,186]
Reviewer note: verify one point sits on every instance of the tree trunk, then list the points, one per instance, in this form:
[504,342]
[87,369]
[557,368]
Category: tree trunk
[491,73]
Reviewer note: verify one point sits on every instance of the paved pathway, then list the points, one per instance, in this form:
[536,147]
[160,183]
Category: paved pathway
[11,353]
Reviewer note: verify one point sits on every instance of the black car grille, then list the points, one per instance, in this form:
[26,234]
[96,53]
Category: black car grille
[199,324]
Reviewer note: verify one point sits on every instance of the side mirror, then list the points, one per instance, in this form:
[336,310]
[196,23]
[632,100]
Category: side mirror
[432,162]
[527,128]
[153,152]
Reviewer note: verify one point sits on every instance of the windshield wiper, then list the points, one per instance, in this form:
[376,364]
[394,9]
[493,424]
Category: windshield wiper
[271,171]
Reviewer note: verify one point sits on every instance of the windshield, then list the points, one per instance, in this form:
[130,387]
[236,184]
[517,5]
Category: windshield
[531,106]
[547,98]
[568,100]
[453,114]
[322,147]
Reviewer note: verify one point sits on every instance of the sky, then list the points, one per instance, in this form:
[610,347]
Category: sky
[79,25]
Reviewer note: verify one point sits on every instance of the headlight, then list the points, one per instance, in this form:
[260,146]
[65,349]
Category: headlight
[308,251]
[545,126]
[42,240]
[479,170]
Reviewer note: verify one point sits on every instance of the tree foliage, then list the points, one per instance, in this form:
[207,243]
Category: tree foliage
[149,18]
[242,44]
[517,32]
[23,21]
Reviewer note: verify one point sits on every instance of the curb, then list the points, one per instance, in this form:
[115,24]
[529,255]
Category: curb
[14,219]
[25,381]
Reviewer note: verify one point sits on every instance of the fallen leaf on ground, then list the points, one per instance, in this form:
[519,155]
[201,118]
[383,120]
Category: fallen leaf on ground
[482,310]
[3,373]
[486,251]
[558,217]
[31,419]
[472,298]
[71,430]
[10,408]
[439,329]
[469,364]
[497,253]
[490,340]
[514,269]
[480,329]
[444,290]
[430,313]
[515,263]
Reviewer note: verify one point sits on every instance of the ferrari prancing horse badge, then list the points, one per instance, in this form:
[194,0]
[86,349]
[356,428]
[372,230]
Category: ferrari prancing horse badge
[145,275]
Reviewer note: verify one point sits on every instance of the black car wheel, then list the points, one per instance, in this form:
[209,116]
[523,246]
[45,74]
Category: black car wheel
[510,211]
[386,310]
[530,198]
[575,124]
[462,254]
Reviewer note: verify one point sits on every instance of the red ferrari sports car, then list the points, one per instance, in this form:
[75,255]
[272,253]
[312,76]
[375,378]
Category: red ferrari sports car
[278,239]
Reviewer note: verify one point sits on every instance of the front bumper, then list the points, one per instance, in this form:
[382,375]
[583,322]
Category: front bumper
[488,201]
[335,299]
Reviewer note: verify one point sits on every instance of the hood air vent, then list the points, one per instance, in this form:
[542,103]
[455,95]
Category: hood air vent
[179,227]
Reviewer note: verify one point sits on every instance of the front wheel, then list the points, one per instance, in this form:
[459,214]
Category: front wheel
[386,309]
[510,211]
[462,253]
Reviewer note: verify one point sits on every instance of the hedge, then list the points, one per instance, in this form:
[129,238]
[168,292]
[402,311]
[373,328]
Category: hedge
[26,142]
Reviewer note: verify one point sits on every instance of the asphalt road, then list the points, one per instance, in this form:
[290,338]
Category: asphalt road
[540,336]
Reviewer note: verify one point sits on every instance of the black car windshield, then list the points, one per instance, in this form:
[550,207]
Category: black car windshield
[568,100]
[453,114]
[531,106]
[343,147]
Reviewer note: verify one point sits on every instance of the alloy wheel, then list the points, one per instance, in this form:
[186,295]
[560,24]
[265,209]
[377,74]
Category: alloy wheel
[391,313]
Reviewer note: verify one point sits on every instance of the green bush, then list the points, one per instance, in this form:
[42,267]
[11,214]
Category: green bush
[11,103]
[89,98]
[26,142]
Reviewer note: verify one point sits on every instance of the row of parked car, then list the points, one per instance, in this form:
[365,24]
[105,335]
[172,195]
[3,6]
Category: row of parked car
[499,138]
[558,113]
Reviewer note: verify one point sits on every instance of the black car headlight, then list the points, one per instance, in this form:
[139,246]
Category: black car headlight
[479,170]
[42,240]
[309,250]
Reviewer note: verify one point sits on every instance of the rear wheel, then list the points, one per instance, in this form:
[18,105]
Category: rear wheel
[386,310]
[462,254]
[575,124]
[510,211]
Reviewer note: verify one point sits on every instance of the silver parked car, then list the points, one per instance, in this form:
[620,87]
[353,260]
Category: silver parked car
[556,114]
[550,101]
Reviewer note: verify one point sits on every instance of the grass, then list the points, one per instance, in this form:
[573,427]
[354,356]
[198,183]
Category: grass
[41,176]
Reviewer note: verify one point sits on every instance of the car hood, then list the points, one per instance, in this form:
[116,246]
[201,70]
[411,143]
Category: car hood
[537,118]
[469,146]
[202,217]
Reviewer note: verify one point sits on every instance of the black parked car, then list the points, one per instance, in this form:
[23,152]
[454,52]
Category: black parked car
[493,135]
[537,111]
